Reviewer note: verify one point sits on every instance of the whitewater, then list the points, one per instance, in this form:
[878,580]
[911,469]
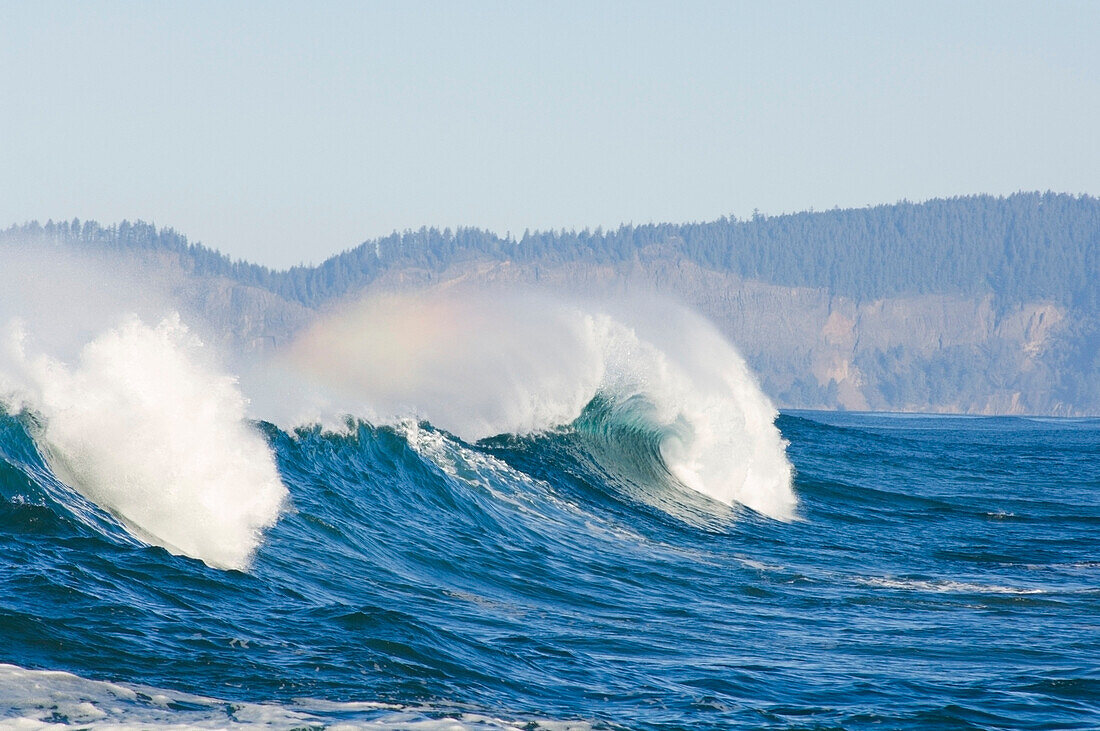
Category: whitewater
[513,510]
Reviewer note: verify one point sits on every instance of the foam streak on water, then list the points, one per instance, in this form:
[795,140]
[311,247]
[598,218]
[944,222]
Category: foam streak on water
[37,700]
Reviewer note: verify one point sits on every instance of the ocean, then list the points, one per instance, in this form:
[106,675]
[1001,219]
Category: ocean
[657,549]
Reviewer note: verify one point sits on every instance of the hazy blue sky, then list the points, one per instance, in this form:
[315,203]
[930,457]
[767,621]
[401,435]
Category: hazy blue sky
[284,133]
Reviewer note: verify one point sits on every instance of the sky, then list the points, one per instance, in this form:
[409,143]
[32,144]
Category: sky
[283,133]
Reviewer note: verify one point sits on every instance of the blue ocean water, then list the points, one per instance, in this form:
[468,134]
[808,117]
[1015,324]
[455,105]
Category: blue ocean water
[939,572]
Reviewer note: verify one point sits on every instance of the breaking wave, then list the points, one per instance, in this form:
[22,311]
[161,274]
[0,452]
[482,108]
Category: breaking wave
[484,366]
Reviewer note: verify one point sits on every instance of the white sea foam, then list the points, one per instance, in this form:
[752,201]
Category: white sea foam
[480,366]
[136,417]
[147,429]
[946,586]
[43,699]
[487,473]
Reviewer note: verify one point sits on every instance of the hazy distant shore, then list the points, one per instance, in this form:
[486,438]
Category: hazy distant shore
[975,305]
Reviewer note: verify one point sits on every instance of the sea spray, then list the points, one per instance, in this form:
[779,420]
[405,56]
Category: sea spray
[469,365]
[146,429]
[718,428]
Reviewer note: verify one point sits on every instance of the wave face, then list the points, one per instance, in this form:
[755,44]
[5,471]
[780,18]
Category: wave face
[942,574]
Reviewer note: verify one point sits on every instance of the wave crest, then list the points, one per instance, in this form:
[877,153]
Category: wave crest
[144,428]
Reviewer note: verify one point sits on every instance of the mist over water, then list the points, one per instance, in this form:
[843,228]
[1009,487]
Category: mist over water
[476,366]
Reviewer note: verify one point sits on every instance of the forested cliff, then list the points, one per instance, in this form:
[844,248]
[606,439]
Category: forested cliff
[975,304]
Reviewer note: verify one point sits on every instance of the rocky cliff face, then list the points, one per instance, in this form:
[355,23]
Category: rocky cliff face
[225,312]
[242,317]
[812,349]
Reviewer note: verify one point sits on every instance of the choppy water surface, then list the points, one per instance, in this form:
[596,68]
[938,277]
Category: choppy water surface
[938,572]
